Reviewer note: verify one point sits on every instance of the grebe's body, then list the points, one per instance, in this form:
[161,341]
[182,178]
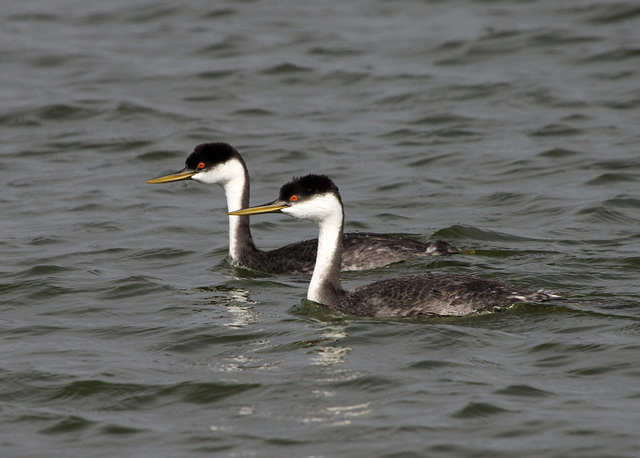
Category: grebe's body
[221,164]
[365,250]
[316,197]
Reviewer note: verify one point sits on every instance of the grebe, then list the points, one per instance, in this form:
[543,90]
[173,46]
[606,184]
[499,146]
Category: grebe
[316,198]
[221,164]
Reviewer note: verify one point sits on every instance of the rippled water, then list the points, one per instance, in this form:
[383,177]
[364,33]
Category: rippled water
[506,127]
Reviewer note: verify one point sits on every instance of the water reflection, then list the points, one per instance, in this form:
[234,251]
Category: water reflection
[330,355]
[330,358]
[238,303]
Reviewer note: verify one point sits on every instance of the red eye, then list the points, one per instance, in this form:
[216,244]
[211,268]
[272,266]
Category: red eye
[293,198]
[201,165]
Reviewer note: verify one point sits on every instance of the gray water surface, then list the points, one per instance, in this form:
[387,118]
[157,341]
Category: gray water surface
[509,128]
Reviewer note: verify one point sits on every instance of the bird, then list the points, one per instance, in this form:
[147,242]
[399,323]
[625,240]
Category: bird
[220,163]
[317,198]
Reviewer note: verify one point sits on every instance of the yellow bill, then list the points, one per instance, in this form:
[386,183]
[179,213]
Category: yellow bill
[268,208]
[173,177]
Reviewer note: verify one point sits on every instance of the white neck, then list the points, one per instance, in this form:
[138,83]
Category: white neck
[234,190]
[233,178]
[325,281]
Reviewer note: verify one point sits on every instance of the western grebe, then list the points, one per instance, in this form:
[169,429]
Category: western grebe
[316,198]
[221,164]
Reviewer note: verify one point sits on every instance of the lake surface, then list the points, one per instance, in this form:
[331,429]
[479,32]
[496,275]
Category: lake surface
[508,127]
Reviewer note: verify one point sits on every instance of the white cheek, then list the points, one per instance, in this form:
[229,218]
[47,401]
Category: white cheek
[221,174]
[293,212]
[316,209]
[208,177]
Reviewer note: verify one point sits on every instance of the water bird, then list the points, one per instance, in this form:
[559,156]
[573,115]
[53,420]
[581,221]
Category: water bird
[221,164]
[316,198]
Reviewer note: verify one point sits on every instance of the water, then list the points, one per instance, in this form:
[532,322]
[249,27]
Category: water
[506,127]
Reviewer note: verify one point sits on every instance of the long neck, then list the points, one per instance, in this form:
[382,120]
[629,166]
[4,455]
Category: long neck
[325,285]
[237,192]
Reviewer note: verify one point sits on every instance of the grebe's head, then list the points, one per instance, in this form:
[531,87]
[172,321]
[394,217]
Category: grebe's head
[216,163]
[312,197]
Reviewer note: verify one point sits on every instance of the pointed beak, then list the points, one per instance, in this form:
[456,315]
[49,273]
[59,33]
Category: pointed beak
[273,207]
[178,176]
